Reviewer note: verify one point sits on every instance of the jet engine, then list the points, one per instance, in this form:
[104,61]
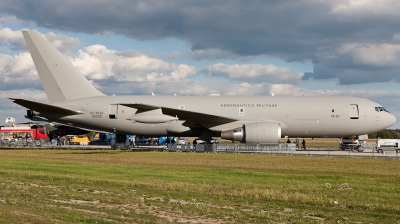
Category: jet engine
[30,114]
[261,132]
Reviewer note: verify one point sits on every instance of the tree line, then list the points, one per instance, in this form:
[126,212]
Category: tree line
[387,133]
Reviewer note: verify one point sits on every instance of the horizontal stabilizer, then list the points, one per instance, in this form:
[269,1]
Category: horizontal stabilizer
[45,108]
[183,114]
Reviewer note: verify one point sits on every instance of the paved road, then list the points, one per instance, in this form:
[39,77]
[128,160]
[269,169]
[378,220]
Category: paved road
[347,153]
[319,152]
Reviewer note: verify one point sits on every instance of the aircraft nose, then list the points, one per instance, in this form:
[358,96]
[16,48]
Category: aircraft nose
[390,120]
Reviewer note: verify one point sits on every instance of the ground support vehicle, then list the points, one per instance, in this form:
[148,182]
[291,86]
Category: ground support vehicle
[28,135]
[351,143]
[80,140]
[182,141]
[22,142]
[383,145]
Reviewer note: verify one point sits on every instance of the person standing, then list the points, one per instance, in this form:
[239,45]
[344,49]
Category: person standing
[58,141]
[297,142]
[304,144]
[194,144]
[132,141]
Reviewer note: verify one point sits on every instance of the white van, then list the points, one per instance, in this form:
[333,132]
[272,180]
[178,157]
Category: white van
[387,144]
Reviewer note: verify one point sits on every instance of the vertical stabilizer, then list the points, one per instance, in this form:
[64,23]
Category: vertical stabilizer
[60,79]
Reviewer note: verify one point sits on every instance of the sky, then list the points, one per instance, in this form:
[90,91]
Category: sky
[166,47]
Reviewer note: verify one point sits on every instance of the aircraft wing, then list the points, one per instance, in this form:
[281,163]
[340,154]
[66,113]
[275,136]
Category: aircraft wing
[45,108]
[183,114]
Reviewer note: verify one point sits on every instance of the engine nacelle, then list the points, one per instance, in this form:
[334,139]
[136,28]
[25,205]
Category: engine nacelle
[30,114]
[262,132]
[153,118]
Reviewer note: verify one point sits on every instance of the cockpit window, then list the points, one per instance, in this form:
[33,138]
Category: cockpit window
[378,109]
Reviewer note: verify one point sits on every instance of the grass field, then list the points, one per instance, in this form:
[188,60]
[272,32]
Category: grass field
[94,186]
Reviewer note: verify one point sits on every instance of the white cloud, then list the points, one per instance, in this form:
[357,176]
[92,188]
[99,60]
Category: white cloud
[62,43]
[8,35]
[14,38]
[189,87]
[17,42]
[381,8]
[254,73]
[17,71]
[372,54]
[97,62]
[29,94]
[292,90]
[287,90]
[8,19]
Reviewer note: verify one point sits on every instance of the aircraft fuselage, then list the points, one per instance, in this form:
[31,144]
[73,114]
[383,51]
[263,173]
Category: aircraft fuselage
[254,119]
[298,116]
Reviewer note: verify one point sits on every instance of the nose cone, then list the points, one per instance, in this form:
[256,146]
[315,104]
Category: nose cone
[388,120]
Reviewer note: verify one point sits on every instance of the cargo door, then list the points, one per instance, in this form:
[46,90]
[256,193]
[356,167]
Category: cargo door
[353,111]
[113,112]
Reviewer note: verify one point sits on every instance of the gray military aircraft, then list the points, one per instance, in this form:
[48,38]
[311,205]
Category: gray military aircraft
[74,101]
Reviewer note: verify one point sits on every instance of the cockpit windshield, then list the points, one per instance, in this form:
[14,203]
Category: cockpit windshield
[379,109]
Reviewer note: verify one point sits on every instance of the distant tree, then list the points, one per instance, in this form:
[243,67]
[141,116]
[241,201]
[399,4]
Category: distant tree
[387,133]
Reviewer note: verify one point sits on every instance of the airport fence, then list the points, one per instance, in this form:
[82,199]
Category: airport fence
[254,148]
[231,148]
[283,148]
[32,143]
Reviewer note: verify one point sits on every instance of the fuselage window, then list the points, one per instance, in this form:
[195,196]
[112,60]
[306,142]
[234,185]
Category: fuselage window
[376,109]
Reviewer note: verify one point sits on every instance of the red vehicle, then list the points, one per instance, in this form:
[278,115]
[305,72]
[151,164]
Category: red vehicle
[23,131]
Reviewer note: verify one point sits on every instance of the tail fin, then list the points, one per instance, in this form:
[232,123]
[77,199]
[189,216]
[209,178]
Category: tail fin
[60,79]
